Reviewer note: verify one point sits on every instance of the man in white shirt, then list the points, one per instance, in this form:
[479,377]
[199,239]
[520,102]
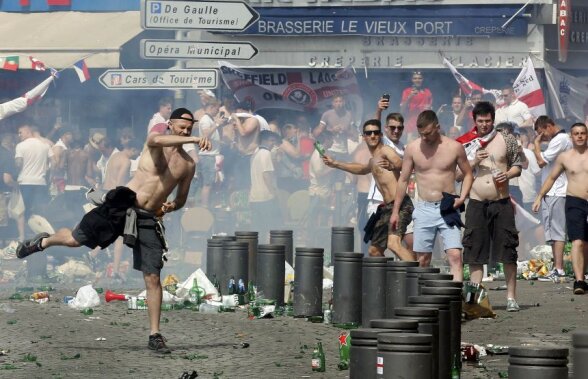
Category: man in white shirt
[513,110]
[32,159]
[320,189]
[263,195]
[553,204]
[208,126]
[161,117]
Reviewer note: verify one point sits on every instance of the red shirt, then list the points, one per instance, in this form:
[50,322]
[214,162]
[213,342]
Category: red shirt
[419,102]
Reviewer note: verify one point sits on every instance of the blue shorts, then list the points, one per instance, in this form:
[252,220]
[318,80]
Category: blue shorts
[427,223]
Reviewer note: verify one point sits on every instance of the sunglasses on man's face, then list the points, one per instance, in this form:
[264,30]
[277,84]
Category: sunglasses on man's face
[399,128]
[371,133]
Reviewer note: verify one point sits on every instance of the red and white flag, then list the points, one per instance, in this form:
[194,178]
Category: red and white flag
[467,86]
[21,103]
[37,64]
[528,89]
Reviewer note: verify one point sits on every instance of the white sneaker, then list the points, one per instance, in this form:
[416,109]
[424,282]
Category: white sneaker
[512,306]
[553,276]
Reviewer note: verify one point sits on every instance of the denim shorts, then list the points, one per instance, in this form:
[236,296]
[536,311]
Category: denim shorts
[427,223]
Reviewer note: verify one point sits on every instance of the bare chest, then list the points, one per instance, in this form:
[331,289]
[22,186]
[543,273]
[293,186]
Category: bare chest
[440,159]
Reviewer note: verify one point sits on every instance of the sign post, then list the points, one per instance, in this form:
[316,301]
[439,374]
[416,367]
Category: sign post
[173,49]
[211,15]
[159,79]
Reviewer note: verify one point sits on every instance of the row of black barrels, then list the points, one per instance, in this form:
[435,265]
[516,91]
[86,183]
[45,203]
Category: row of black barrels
[242,257]
[395,348]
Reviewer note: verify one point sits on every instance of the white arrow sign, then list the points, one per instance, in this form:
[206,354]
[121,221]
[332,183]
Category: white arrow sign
[159,79]
[172,49]
[213,15]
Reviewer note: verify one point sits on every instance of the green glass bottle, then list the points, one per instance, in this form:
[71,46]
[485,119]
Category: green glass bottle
[250,292]
[319,148]
[194,293]
[455,374]
[318,358]
[344,346]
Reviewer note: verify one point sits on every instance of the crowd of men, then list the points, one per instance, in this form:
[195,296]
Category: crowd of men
[482,152]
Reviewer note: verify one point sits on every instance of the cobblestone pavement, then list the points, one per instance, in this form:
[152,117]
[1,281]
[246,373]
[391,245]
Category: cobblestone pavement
[64,341]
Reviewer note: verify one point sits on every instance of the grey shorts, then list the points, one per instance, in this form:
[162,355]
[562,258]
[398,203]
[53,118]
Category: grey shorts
[553,217]
[207,169]
[149,246]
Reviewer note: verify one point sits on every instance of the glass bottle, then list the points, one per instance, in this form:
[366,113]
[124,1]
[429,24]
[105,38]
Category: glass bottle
[455,374]
[318,358]
[320,148]
[194,293]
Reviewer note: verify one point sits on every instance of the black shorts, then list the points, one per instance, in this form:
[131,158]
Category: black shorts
[105,223]
[149,246]
[382,228]
[577,218]
[490,226]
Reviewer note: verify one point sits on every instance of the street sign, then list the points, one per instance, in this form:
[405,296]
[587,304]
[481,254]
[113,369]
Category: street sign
[212,15]
[159,79]
[172,49]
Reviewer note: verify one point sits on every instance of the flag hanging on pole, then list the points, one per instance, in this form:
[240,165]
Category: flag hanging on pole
[467,86]
[528,89]
[10,63]
[20,104]
[82,70]
[37,64]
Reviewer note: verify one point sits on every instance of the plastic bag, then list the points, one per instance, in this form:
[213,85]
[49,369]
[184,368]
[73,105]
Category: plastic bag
[86,297]
[203,282]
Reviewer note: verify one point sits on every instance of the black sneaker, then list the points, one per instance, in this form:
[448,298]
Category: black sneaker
[30,246]
[157,343]
[580,287]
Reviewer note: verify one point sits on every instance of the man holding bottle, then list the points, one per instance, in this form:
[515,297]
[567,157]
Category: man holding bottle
[489,219]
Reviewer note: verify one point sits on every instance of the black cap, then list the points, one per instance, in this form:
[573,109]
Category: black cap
[178,114]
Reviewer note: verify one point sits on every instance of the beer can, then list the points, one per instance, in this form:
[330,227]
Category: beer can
[327,316]
[141,303]
[67,299]
[132,303]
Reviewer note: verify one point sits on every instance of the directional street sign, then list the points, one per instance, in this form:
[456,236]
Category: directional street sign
[213,15]
[159,79]
[172,49]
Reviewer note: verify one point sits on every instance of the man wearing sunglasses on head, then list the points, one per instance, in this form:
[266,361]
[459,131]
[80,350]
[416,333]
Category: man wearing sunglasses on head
[385,167]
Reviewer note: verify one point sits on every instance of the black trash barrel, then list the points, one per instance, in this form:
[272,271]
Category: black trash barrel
[308,282]
[395,325]
[341,241]
[347,288]
[235,259]
[224,237]
[537,362]
[271,270]
[428,319]
[433,276]
[252,240]
[455,294]
[363,353]
[396,285]
[284,237]
[214,258]
[580,343]
[373,289]
[442,283]
[404,355]
[441,303]
[412,278]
